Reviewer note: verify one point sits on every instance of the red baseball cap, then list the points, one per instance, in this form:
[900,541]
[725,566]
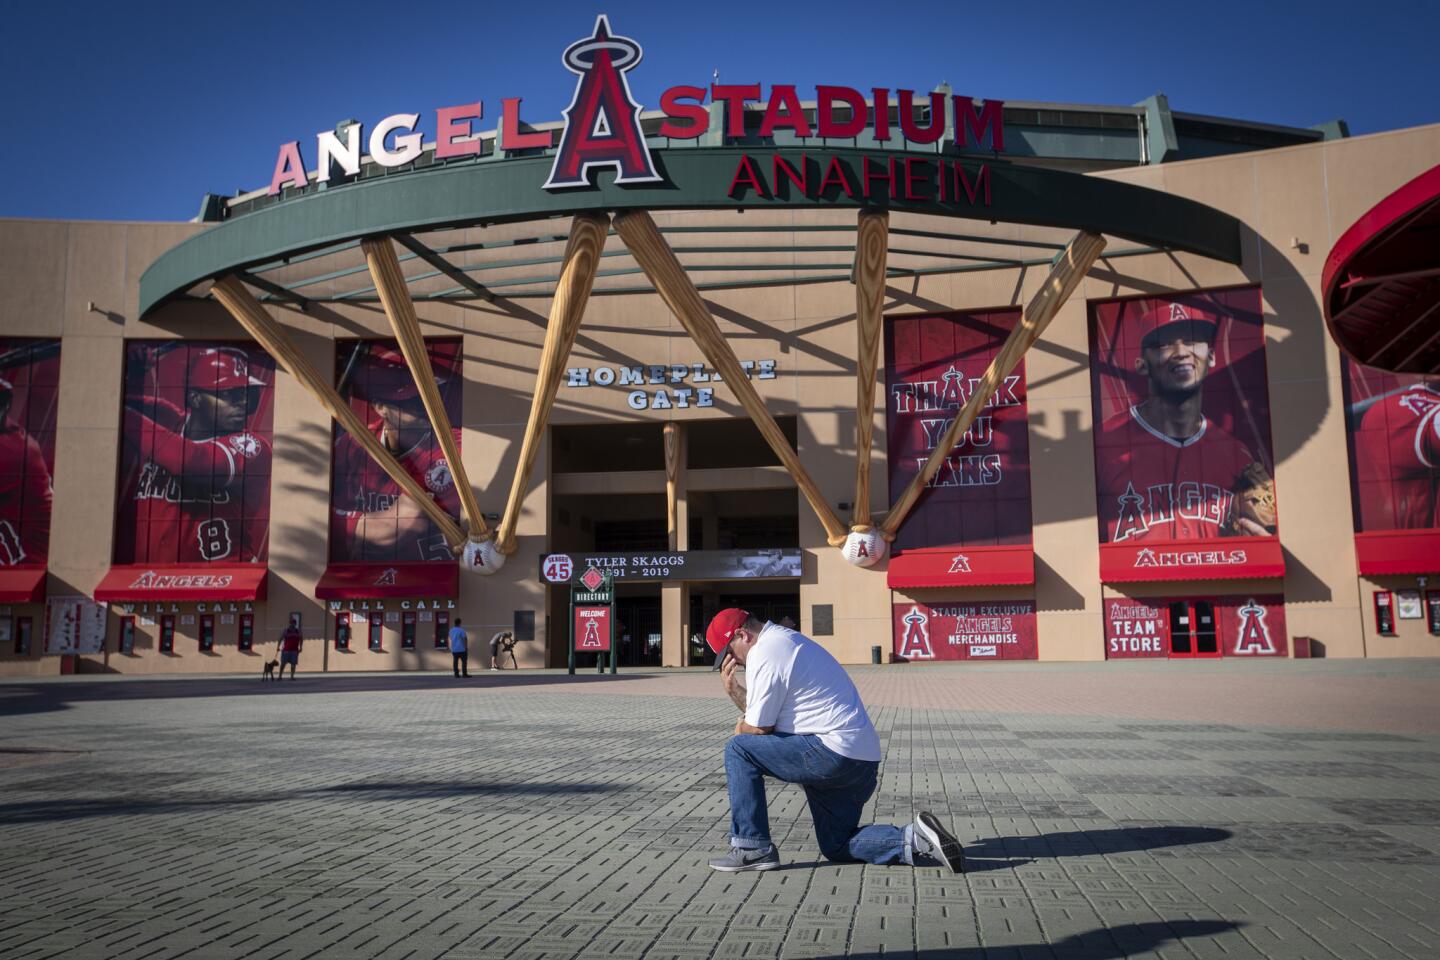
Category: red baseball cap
[1177,318]
[387,375]
[723,626]
[221,368]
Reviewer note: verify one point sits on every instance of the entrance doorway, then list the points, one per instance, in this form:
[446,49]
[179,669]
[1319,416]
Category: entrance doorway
[1192,629]
[638,629]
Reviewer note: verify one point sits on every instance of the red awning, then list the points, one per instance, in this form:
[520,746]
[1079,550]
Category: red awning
[1234,558]
[22,584]
[194,582]
[1398,552]
[383,581]
[962,567]
[1381,281]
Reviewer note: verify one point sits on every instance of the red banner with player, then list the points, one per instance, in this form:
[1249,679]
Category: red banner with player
[981,495]
[987,630]
[1182,413]
[592,629]
[1393,421]
[29,394]
[1183,627]
[371,520]
[195,453]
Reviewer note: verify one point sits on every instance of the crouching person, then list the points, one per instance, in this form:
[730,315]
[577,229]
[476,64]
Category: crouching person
[804,723]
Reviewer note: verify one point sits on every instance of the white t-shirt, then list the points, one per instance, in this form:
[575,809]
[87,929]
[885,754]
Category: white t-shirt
[794,685]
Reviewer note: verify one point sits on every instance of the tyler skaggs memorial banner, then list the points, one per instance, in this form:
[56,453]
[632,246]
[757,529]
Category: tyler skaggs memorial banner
[1182,437]
[981,494]
[371,519]
[989,630]
[195,455]
[29,395]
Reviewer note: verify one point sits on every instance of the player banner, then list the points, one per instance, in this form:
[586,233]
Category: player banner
[1393,422]
[981,494]
[989,630]
[371,519]
[195,453]
[29,395]
[1182,414]
[592,629]
[1228,626]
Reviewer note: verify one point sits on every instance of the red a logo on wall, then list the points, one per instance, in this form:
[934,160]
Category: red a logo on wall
[915,644]
[1253,636]
[602,123]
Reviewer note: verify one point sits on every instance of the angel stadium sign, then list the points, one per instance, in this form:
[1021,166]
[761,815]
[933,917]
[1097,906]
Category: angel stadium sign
[602,130]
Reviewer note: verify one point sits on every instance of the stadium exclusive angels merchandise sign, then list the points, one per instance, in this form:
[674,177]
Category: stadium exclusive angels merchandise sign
[780,563]
[602,130]
[992,630]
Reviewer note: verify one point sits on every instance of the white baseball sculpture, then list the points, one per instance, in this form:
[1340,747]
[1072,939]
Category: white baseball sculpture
[481,556]
[865,547]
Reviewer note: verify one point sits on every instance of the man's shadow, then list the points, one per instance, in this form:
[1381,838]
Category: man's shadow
[1007,853]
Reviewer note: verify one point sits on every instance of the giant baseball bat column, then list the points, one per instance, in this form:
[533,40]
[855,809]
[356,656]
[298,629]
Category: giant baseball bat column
[671,432]
[872,238]
[660,264]
[1069,269]
[577,276]
[247,311]
[390,282]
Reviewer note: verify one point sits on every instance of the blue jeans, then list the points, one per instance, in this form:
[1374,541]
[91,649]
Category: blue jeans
[836,787]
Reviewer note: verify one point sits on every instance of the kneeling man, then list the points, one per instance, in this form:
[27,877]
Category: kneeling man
[804,723]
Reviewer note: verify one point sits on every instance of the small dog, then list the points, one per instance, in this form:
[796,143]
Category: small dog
[270,666]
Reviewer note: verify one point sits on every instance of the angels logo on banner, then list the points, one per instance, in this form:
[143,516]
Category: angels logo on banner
[914,643]
[195,453]
[1252,636]
[29,394]
[1182,442]
[371,518]
[998,630]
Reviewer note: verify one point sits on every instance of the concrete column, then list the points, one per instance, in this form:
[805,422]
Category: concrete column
[674,624]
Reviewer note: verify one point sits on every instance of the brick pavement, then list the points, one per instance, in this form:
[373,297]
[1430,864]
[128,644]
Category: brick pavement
[533,815]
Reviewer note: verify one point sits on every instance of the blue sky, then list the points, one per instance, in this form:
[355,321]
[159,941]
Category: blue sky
[134,110]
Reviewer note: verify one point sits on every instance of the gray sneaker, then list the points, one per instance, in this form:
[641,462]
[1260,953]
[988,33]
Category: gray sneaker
[739,859]
[941,842]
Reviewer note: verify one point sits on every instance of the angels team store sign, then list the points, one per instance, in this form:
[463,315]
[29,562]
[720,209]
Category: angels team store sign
[602,130]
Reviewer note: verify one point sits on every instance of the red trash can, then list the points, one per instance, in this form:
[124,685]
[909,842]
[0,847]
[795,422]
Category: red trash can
[67,664]
[1302,648]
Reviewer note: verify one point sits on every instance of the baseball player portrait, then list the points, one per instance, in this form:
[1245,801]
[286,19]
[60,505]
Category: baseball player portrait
[1396,451]
[1166,469]
[26,492]
[195,464]
[371,517]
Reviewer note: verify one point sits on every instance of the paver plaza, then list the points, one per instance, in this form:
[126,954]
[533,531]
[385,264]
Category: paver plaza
[1225,810]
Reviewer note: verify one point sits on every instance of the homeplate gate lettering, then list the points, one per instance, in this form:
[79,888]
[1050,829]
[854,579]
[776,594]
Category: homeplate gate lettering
[592,617]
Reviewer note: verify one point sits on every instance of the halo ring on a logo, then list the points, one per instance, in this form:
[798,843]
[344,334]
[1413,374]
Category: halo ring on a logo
[580,56]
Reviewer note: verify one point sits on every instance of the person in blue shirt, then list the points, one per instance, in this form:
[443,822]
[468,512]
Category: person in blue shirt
[460,649]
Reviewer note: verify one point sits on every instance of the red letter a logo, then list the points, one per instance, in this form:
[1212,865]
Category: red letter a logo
[915,644]
[602,123]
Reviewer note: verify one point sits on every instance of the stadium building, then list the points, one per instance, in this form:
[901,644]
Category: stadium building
[589,381]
